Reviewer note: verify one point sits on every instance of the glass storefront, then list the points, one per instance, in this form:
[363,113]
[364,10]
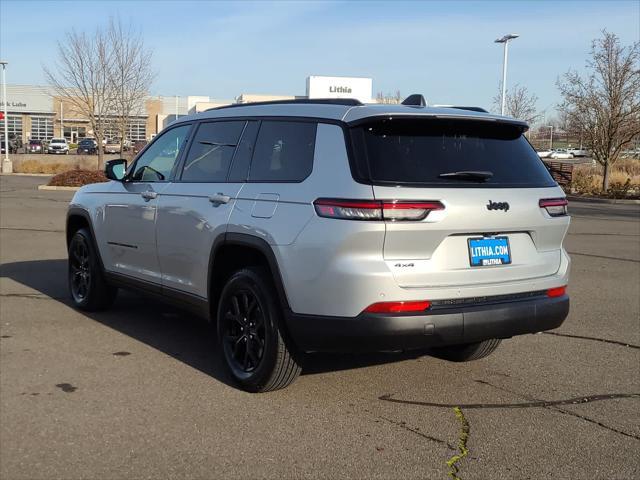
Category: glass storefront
[14,125]
[42,127]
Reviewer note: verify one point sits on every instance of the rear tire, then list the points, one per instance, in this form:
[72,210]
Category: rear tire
[467,352]
[250,333]
[88,289]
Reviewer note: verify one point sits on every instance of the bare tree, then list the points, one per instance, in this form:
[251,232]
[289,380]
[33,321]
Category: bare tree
[389,98]
[519,103]
[605,103]
[130,74]
[80,78]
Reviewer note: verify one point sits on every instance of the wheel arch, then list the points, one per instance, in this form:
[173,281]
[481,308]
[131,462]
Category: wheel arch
[78,218]
[236,250]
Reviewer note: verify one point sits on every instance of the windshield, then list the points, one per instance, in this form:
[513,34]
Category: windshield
[446,152]
[58,140]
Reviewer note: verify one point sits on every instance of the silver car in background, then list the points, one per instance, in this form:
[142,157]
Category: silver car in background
[329,225]
[58,145]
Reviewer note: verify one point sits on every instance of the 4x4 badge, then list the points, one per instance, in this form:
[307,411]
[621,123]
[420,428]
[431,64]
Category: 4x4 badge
[498,206]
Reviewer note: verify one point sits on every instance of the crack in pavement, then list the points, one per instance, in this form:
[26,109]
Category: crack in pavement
[595,339]
[404,426]
[36,296]
[465,429]
[607,234]
[555,407]
[599,218]
[23,229]
[605,257]
[535,403]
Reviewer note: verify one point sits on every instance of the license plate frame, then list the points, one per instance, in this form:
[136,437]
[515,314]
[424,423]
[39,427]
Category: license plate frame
[489,260]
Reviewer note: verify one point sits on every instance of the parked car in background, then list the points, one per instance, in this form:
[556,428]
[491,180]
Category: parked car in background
[35,146]
[138,146]
[577,152]
[560,155]
[544,153]
[112,146]
[14,144]
[58,145]
[87,146]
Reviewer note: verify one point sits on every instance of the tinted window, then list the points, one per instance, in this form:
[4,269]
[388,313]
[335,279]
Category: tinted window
[283,152]
[418,152]
[211,152]
[244,152]
[157,161]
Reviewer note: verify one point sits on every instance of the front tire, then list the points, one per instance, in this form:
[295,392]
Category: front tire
[250,333]
[467,352]
[88,289]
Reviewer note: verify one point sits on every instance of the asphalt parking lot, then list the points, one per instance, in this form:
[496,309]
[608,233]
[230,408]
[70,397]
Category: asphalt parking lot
[139,391]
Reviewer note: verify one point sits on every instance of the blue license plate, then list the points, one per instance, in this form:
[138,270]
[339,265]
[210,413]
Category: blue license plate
[486,251]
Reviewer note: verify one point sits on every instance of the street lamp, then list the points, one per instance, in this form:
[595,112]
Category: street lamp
[7,166]
[505,40]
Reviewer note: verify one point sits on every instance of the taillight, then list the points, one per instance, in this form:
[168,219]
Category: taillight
[393,210]
[556,207]
[398,307]
[556,292]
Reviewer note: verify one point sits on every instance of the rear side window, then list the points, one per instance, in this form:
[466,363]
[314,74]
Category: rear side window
[283,152]
[429,152]
[211,152]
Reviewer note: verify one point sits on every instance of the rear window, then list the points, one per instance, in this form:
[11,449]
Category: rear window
[422,152]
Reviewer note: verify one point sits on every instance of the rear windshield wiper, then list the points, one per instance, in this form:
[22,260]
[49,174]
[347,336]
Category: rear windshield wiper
[473,175]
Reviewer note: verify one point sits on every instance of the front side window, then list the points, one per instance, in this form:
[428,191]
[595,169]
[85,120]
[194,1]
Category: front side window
[157,161]
[211,151]
[283,152]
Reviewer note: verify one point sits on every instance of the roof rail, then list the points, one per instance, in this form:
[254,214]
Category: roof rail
[349,102]
[415,100]
[473,109]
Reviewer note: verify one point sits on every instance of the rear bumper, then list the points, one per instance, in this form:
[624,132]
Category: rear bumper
[440,326]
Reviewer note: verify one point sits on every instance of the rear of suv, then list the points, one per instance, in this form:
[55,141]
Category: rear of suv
[329,225]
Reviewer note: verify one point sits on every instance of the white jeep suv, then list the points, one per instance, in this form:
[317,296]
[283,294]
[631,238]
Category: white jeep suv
[329,225]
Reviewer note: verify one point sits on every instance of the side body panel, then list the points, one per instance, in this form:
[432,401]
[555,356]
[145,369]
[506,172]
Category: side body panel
[188,224]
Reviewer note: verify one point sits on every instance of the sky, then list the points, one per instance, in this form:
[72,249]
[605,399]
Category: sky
[444,50]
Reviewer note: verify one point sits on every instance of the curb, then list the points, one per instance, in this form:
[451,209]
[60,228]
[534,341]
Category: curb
[16,174]
[64,189]
[610,201]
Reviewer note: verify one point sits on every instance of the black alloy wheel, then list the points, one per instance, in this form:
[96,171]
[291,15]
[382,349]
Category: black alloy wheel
[87,285]
[244,332]
[79,269]
[251,332]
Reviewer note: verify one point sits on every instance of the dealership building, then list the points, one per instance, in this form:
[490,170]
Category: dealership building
[38,113]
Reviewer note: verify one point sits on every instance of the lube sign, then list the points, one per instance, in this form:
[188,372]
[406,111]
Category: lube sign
[340,87]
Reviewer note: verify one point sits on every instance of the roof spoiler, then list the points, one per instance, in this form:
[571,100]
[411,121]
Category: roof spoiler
[415,100]
[459,107]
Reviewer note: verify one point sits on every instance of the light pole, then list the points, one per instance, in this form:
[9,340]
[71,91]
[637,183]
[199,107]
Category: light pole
[550,136]
[7,166]
[505,40]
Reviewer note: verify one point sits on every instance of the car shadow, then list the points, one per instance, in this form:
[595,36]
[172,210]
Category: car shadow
[175,332]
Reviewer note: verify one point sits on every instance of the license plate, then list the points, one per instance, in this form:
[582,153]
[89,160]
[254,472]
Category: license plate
[486,251]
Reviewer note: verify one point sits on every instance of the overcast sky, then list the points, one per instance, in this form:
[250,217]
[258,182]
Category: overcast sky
[444,50]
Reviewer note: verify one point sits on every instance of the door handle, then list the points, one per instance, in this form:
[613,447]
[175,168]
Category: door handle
[219,198]
[149,195]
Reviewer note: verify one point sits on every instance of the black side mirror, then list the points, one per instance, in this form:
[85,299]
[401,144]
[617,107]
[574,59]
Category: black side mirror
[115,169]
